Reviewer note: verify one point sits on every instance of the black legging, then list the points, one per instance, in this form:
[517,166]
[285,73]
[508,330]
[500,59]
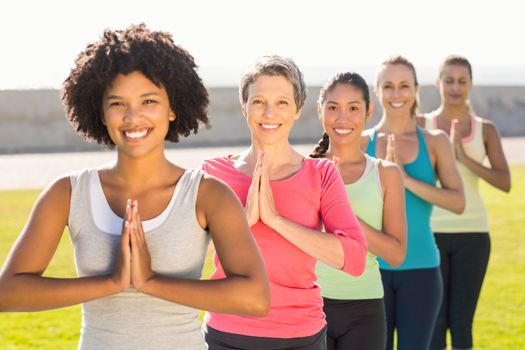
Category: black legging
[412,301]
[355,324]
[218,340]
[464,259]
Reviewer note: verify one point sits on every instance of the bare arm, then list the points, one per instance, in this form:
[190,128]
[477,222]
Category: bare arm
[390,243]
[22,286]
[450,195]
[245,289]
[498,174]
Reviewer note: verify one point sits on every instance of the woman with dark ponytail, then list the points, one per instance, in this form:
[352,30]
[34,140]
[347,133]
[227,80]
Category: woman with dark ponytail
[354,306]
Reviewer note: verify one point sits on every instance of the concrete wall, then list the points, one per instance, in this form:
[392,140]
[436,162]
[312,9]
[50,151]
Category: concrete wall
[33,120]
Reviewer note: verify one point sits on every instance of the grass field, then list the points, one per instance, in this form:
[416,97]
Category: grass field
[500,318]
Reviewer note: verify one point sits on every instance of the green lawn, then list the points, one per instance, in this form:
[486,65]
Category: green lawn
[499,323]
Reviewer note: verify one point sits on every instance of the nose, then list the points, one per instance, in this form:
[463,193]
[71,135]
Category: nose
[132,113]
[342,115]
[269,111]
[396,92]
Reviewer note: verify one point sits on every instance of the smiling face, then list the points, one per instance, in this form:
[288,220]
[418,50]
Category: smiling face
[454,84]
[270,109]
[343,114]
[396,90]
[136,113]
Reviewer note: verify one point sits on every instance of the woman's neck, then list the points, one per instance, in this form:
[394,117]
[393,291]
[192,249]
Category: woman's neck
[276,155]
[140,172]
[396,125]
[450,112]
[347,153]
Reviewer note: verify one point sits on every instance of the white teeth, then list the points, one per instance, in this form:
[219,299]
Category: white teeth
[136,134]
[270,126]
[343,131]
[397,104]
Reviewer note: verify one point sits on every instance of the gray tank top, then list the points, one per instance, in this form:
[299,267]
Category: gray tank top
[133,320]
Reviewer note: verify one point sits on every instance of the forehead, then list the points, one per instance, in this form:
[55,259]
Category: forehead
[455,70]
[396,72]
[344,93]
[134,81]
[271,84]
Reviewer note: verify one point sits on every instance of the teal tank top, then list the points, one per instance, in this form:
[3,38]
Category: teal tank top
[366,197]
[422,251]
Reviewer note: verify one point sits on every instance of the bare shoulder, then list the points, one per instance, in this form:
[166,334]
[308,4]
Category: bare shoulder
[436,137]
[212,188]
[58,190]
[53,202]
[213,191]
[389,172]
[489,129]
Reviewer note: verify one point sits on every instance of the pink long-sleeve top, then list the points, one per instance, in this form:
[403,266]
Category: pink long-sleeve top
[313,197]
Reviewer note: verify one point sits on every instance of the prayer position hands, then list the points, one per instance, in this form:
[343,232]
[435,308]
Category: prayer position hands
[133,262]
[260,204]
[455,139]
[267,210]
[141,271]
[392,155]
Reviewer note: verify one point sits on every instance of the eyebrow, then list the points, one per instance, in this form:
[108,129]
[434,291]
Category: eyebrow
[113,97]
[349,102]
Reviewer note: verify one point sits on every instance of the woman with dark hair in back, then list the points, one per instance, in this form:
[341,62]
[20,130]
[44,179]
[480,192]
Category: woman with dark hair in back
[354,307]
[463,240]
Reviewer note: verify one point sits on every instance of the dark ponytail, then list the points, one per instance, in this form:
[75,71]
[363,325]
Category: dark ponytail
[322,147]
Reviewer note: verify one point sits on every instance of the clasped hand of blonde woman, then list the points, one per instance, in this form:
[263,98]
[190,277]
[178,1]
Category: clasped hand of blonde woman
[260,204]
[392,154]
[455,139]
[133,263]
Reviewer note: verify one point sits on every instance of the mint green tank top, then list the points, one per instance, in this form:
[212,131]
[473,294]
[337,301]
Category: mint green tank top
[366,197]
[474,218]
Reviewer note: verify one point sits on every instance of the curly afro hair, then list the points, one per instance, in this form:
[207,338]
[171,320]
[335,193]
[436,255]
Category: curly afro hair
[136,48]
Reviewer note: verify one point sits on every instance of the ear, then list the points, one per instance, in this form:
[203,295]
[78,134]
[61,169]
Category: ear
[172,116]
[103,120]
[438,83]
[370,112]
[244,111]
[298,114]
[319,108]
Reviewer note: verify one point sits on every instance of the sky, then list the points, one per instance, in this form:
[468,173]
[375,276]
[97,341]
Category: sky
[40,40]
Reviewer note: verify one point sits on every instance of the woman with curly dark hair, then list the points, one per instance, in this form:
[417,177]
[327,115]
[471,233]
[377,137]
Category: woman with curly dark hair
[138,266]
